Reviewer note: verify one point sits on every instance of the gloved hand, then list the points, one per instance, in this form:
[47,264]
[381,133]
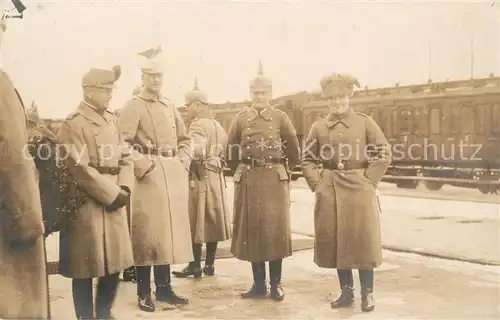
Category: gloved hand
[121,200]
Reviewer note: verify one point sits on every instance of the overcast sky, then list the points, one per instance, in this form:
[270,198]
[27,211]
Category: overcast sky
[221,43]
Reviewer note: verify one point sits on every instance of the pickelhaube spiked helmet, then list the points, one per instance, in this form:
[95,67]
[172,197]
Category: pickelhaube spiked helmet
[196,94]
[152,62]
[32,113]
[261,81]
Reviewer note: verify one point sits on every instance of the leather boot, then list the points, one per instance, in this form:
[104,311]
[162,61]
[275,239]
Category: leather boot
[82,299]
[189,270]
[129,275]
[193,268]
[145,303]
[167,294]
[144,300]
[346,297]
[366,282]
[209,268]
[275,267]
[164,291]
[105,297]
[258,289]
[367,303]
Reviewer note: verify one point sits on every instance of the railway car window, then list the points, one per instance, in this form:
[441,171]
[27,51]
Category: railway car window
[468,119]
[404,121]
[435,118]
[421,124]
[455,119]
[479,117]
[387,121]
[495,118]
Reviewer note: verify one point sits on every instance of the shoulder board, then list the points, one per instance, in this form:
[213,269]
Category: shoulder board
[363,114]
[241,112]
[280,111]
[165,101]
[72,115]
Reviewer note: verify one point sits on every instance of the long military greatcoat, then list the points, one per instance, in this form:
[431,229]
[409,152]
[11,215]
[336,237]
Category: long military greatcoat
[262,230]
[23,276]
[208,209]
[346,214]
[160,219]
[96,242]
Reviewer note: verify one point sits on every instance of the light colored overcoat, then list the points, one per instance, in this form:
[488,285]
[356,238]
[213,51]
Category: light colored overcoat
[161,232]
[96,242]
[23,276]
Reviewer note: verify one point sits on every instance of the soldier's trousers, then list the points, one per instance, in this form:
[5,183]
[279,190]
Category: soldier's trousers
[105,297]
[366,277]
[210,258]
[161,274]
[259,272]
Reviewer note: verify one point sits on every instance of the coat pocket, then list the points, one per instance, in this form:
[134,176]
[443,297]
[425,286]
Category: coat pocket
[283,174]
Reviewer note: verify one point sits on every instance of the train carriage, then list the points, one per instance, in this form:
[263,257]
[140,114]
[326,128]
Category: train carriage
[441,133]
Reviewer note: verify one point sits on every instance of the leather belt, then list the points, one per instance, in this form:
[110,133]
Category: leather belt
[168,153]
[211,167]
[106,170]
[345,165]
[261,162]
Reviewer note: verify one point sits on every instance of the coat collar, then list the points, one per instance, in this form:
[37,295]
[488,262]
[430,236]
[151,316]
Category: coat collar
[265,113]
[344,118]
[148,96]
[89,112]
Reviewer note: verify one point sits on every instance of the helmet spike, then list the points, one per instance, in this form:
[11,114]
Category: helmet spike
[261,69]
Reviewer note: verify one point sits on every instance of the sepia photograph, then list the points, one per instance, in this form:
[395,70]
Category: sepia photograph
[249,159]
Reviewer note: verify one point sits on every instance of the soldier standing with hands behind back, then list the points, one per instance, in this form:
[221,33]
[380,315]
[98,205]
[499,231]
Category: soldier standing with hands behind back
[208,210]
[260,139]
[96,242]
[346,214]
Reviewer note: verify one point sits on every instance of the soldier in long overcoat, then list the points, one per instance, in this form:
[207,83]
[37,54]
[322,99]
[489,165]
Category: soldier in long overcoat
[160,217]
[129,274]
[208,209]
[23,275]
[96,242]
[354,155]
[261,140]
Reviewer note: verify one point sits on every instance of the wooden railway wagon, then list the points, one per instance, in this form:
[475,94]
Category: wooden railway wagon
[441,133]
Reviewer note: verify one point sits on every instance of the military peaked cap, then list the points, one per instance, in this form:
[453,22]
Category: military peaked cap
[102,78]
[340,78]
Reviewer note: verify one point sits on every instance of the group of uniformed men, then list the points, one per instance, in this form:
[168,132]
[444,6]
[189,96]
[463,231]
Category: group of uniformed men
[173,181]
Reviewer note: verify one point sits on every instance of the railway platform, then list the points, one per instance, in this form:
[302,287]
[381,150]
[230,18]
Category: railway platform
[407,285]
